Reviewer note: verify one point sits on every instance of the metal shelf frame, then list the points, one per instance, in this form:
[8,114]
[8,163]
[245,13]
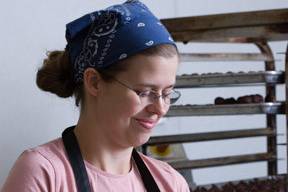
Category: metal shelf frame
[270,108]
[230,79]
[258,28]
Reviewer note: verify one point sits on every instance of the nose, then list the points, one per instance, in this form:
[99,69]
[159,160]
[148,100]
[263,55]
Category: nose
[158,107]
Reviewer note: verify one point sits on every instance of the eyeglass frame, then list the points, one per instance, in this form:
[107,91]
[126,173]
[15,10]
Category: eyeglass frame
[156,95]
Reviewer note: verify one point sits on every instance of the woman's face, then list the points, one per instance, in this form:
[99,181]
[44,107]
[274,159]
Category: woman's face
[128,121]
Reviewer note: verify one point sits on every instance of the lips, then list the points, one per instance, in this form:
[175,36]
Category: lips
[147,123]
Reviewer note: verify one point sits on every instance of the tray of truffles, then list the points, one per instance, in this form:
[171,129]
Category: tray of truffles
[248,104]
[265,184]
[229,79]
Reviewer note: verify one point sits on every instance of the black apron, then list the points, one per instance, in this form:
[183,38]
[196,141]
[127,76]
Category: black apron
[79,169]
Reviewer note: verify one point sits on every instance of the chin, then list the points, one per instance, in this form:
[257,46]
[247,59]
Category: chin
[141,141]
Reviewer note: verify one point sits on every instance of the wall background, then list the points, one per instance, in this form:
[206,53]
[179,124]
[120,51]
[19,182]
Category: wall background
[29,117]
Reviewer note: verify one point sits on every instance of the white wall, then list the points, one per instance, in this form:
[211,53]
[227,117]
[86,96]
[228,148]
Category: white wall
[29,117]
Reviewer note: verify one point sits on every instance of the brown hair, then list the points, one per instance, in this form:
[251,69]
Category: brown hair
[56,73]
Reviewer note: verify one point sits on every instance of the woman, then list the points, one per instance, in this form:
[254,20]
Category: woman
[120,64]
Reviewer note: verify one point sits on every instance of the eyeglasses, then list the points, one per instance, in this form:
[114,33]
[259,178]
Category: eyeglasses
[150,96]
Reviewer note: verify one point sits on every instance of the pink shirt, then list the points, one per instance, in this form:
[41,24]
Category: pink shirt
[46,168]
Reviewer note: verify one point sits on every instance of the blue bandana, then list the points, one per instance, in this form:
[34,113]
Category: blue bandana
[104,37]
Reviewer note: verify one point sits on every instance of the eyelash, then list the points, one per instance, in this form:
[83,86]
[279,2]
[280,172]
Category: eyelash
[145,91]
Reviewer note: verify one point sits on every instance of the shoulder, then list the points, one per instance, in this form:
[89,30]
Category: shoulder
[48,154]
[34,169]
[52,150]
[166,175]
[40,157]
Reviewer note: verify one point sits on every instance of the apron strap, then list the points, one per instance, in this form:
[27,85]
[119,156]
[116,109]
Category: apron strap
[80,173]
[76,160]
[148,180]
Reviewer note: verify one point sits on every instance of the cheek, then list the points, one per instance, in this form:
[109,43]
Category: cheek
[127,106]
[133,106]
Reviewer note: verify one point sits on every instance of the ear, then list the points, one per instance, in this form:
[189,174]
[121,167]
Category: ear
[91,80]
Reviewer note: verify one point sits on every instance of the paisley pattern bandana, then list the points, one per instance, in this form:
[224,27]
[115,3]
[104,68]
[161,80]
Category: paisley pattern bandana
[104,37]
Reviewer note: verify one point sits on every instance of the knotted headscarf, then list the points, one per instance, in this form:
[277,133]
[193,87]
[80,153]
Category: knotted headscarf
[104,37]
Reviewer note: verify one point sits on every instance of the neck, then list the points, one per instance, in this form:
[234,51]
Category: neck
[99,151]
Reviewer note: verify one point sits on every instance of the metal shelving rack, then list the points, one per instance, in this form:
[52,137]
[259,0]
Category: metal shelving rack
[258,28]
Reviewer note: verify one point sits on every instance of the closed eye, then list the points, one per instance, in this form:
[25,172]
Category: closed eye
[143,93]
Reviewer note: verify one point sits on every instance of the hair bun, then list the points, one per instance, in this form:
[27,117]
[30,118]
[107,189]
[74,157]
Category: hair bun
[56,74]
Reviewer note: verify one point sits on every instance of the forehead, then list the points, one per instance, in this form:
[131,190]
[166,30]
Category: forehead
[155,70]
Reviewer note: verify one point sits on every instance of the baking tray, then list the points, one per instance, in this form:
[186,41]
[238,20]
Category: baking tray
[230,79]
[236,109]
